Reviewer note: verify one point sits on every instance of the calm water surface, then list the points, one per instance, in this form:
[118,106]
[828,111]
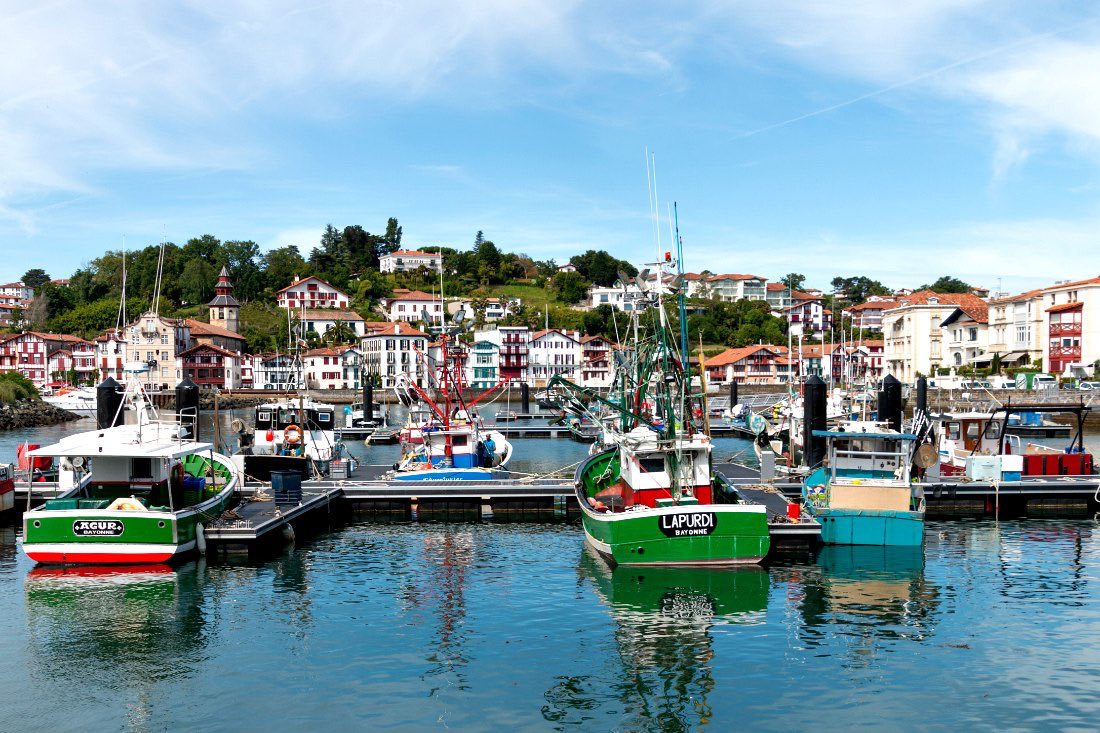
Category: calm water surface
[490,627]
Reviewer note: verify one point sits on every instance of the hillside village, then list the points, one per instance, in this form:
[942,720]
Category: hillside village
[372,318]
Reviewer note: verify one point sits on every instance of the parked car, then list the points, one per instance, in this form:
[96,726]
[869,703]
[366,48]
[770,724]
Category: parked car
[1089,386]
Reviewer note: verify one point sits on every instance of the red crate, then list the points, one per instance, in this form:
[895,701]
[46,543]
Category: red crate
[1073,464]
[1033,465]
[1052,464]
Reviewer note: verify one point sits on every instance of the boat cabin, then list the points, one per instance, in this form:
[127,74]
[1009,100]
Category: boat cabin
[307,416]
[647,470]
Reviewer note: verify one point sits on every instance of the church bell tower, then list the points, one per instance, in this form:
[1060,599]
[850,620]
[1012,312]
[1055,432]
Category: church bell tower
[224,308]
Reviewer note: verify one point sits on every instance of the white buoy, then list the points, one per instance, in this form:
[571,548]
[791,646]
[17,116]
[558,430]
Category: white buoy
[200,538]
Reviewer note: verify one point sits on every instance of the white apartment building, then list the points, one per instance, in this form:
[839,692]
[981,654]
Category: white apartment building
[868,314]
[513,350]
[619,298]
[411,306]
[727,287]
[407,260]
[1016,328]
[393,349]
[15,293]
[280,372]
[312,292]
[554,352]
[913,335]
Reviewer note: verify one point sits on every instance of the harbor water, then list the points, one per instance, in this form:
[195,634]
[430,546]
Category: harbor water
[483,626]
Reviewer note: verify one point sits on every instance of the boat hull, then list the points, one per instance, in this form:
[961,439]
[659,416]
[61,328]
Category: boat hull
[446,474]
[870,527]
[737,538]
[106,536]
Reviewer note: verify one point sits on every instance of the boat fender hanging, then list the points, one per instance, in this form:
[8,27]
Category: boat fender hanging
[200,538]
[270,436]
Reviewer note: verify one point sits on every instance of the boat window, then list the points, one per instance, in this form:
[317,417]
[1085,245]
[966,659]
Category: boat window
[141,468]
[324,417]
[992,429]
[458,441]
[973,430]
[263,416]
[652,464]
[952,431]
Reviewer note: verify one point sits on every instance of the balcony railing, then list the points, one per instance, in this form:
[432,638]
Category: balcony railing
[1065,329]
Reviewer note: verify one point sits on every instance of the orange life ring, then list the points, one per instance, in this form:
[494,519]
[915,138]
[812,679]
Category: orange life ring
[292,434]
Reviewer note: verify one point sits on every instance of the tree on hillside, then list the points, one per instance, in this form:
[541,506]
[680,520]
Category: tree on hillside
[392,240]
[282,265]
[947,284]
[600,268]
[197,281]
[37,313]
[794,281]
[857,289]
[569,287]
[242,258]
[35,278]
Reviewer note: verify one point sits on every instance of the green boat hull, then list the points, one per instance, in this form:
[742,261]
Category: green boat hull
[684,535]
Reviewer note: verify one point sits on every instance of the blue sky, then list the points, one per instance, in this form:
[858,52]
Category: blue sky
[842,138]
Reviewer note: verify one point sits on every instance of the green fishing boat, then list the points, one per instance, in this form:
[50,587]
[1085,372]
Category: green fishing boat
[130,494]
[648,494]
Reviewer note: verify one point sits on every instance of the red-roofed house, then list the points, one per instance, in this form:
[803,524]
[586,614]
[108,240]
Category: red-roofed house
[29,354]
[595,361]
[1072,343]
[312,292]
[110,355]
[966,336]
[211,367]
[332,367]
[758,364]
[209,333]
[72,363]
[407,260]
[869,313]
[409,306]
[912,332]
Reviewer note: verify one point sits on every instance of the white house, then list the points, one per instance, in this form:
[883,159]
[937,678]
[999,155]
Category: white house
[312,292]
[495,308]
[332,368]
[409,306]
[567,267]
[320,320]
[110,356]
[966,337]
[407,260]
[554,352]
[619,298]
[157,341]
[393,349]
[595,361]
[728,287]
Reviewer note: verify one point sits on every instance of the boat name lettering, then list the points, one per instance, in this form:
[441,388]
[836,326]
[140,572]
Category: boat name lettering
[687,524]
[98,528]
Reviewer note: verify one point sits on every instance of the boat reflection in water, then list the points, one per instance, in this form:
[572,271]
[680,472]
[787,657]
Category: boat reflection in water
[877,594]
[116,627]
[664,624]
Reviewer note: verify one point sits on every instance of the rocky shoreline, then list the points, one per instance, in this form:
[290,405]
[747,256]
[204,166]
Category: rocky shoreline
[206,402]
[32,414]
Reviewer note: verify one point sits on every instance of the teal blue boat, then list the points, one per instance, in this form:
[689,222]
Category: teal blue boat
[862,494]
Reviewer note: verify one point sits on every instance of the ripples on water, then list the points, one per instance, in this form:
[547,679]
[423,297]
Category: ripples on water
[482,626]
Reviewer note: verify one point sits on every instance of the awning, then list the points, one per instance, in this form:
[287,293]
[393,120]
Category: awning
[980,358]
[1013,356]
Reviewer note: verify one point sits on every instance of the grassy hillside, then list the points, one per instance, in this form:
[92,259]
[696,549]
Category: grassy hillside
[532,296]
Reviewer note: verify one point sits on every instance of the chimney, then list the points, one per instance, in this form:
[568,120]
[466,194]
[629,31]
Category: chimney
[397,329]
